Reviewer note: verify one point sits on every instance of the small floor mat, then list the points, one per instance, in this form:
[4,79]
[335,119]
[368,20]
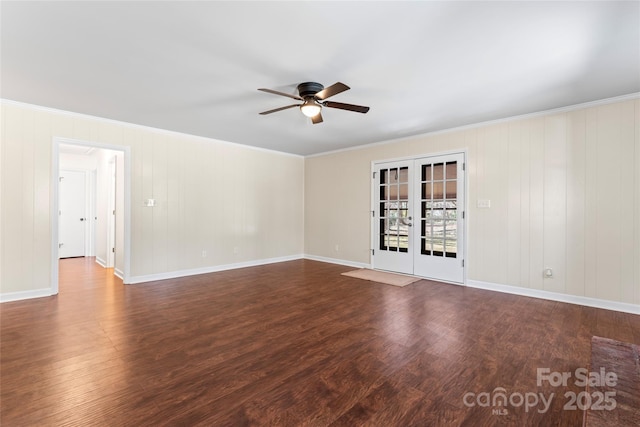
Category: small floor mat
[382,277]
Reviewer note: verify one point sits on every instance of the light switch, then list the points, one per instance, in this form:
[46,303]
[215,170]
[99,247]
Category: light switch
[484,203]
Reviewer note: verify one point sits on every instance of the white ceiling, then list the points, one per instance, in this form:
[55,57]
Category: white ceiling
[194,67]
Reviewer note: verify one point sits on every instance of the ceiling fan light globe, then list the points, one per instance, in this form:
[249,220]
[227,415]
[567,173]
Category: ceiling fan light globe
[310,109]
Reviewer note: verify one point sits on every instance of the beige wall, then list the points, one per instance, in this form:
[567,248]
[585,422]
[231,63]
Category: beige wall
[237,203]
[564,191]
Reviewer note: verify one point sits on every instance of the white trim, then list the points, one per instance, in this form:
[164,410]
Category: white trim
[101,262]
[337,261]
[22,295]
[553,296]
[136,126]
[212,269]
[118,273]
[559,110]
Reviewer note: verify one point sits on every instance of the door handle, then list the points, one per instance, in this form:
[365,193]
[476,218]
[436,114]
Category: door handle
[81,219]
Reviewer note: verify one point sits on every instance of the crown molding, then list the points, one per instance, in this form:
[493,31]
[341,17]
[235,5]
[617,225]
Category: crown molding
[559,110]
[4,101]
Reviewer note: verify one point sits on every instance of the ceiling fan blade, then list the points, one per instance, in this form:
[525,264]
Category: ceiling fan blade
[279,109]
[350,107]
[316,119]
[334,89]
[275,92]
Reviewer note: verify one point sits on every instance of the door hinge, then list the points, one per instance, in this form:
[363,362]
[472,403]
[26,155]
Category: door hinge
[373,214]
[113,250]
[464,166]
[374,175]
[463,263]
[373,251]
[462,214]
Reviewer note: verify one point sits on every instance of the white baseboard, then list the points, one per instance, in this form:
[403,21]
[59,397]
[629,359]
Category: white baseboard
[204,270]
[553,296]
[337,261]
[17,296]
[118,273]
[102,263]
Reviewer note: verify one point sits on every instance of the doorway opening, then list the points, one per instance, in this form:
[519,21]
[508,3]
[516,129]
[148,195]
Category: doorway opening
[419,217]
[99,227]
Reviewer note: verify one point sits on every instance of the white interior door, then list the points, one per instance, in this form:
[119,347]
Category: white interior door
[73,222]
[393,186]
[419,217]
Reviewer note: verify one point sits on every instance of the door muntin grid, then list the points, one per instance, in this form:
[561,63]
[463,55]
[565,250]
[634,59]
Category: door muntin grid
[394,209]
[439,209]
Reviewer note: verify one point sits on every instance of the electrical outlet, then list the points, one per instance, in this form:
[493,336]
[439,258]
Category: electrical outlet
[548,273]
[204,253]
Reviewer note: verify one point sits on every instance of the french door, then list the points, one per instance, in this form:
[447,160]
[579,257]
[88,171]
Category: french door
[419,217]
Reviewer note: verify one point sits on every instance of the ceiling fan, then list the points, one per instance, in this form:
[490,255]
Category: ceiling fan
[313,96]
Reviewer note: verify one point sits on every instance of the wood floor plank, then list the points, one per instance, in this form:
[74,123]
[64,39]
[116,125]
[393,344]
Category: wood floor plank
[293,343]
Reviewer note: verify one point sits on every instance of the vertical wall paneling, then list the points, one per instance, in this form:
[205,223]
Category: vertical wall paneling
[525,203]
[175,204]
[536,203]
[576,203]
[12,241]
[27,181]
[554,203]
[608,203]
[636,255]
[514,205]
[44,197]
[591,202]
[625,116]
[145,261]
[159,211]
[173,169]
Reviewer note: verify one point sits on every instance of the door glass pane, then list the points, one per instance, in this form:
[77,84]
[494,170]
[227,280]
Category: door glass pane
[383,193]
[438,171]
[384,176]
[425,248]
[452,189]
[426,172]
[426,190]
[393,192]
[450,231]
[393,176]
[404,191]
[451,248]
[404,175]
[437,190]
[452,170]
[438,247]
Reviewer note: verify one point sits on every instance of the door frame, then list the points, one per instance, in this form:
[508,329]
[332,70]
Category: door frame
[55,179]
[465,204]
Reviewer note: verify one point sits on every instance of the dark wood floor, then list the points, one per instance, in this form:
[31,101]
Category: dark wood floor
[293,343]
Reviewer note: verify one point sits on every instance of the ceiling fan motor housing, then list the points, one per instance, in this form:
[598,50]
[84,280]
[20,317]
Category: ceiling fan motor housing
[309,89]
